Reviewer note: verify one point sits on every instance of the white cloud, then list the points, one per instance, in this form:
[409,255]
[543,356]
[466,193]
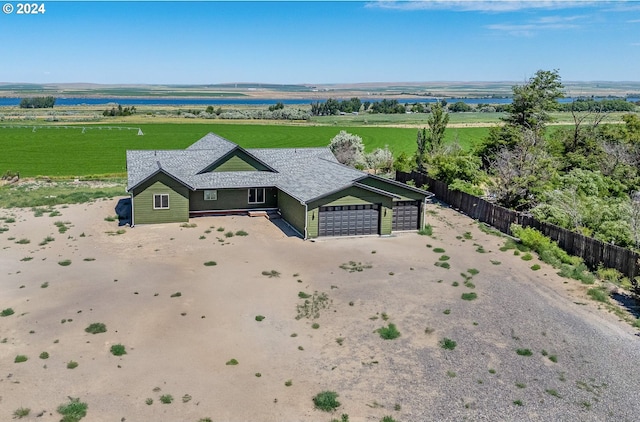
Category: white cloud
[480,5]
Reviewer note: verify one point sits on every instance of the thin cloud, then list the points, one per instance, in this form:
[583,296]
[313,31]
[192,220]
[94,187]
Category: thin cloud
[531,28]
[480,5]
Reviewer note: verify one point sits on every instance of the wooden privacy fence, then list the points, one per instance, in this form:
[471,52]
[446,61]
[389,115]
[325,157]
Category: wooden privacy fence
[594,252]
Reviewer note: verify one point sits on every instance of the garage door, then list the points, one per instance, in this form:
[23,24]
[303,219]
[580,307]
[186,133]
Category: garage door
[406,215]
[349,220]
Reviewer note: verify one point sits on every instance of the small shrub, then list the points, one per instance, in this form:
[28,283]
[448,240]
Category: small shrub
[315,325]
[524,352]
[44,355]
[517,402]
[353,266]
[73,411]
[44,285]
[326,401]
[451,374]
[6,312]
[242,233]
[288,383]
[166,399]
[598,294]
[469,296]
[23,241]
[26,258]
[259,317]
[149,401]
[271,274]
[427,230]
[210,263]
[64,263]
[303,295]
[89,259]
[111,218]
[21,412]
[188,225]
[480,249]
[118,350]
[553,358]
[535,267]
[469,285]
[443,258]
[446,311]
[438,250]
[186,398]
[388,333]
[232,362]
[176,294]
[526,257]
[96,328]
[228,234]
[552,392]
[220,229]
[72,364]
[496,262]
[444,265]
[521,385]
[455,284]
[473,271]
[21,358]
[448,344]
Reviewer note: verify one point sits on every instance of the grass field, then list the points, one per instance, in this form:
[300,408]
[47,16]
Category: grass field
[51,151]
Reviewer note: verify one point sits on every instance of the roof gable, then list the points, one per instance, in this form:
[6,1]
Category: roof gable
[238,159]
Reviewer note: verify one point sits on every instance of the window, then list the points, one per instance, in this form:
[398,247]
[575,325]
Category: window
[161,201]
[211,195]
[256,196]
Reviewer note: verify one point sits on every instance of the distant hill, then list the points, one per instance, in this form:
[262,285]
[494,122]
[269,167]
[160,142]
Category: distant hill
[311,91]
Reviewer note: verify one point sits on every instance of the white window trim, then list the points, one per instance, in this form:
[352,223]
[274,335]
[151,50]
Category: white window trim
[160,207]
[213,195]
[264,194]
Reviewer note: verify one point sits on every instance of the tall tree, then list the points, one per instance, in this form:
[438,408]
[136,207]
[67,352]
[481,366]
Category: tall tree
[533,101]
[437,123]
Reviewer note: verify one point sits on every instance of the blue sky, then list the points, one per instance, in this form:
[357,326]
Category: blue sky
[320,42]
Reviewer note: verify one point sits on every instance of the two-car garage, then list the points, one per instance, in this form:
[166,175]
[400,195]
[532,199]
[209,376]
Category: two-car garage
[358,220]
[349,220]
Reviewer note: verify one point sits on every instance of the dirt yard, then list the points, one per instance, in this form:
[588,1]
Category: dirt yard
[530,347]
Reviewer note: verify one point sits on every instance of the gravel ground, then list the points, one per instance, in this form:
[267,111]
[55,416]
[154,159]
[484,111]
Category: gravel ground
[582,364]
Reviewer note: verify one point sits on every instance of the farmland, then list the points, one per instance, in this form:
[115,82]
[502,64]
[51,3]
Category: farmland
[98,150]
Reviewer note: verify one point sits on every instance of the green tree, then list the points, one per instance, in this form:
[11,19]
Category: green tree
[533,101]
[347,148]
[437,123]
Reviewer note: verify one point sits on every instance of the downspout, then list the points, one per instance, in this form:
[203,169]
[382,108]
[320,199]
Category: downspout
[306,221]
[424,213]
[132,212]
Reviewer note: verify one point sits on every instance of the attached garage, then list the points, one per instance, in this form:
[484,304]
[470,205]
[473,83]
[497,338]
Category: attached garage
[349,220]
[406,215]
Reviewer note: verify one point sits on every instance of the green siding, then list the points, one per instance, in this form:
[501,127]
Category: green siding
[292,211]
[231,199]
[238,161]
[351,196]
[406,194]
[143,212]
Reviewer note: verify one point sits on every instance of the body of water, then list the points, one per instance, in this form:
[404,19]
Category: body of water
[128,101]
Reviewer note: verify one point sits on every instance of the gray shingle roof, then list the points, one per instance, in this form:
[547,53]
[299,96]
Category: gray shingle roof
[304,173]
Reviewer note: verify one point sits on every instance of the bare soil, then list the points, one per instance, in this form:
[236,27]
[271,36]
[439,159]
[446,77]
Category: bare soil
[180,345]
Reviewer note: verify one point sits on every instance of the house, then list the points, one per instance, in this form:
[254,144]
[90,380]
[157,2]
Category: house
[308,187]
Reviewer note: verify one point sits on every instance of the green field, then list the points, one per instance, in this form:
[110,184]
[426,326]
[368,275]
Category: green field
[52,151]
